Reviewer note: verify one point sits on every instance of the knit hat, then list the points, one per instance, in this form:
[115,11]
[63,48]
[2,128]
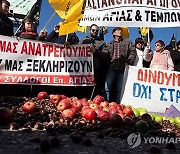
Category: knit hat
[160,42]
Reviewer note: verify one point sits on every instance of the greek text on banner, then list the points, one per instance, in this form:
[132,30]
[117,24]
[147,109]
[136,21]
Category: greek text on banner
[130,13]
[33,62]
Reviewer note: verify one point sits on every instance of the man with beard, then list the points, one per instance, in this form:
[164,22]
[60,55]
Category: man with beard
[100,57]
[6,25]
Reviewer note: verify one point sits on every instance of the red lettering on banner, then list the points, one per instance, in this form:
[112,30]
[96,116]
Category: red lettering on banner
[38,49]
[159,77]
[8,46]
[24,48]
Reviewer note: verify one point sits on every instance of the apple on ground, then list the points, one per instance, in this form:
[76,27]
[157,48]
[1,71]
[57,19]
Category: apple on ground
[55,99]
[113,110]
[177,120]
[63,96]
[158,118]
[118,106]
[112,104]
[90,114]
[63,105]
[98,99]
[115,120]
[94,106]
[5,114]
[83,110]
[105,109]
[77,104]
[142,126]
[136,113]
[152,117]
[68,113]
[103,115]
[122,106]
[142,111]
[128,111]
[171,120]
[29,107]
[104,104]
[42,95]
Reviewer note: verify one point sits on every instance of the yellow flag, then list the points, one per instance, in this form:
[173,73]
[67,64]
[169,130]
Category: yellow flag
[72,11]
[143,30]
[125,32]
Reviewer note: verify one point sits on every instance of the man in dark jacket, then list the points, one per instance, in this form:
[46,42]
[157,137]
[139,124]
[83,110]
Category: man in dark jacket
[6,25]
[122,53]
[55,38]
[100,57]
[175,55]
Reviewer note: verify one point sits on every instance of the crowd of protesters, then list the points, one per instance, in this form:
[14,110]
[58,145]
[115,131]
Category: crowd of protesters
[109,59]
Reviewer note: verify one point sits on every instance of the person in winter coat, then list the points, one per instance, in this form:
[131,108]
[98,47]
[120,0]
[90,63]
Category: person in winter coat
[161,59]
[27,30]
[55,38]
[122,53]
[100,57]
[175,55]
[6,25]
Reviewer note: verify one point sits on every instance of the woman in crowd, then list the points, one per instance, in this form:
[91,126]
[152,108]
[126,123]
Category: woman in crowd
[161,58]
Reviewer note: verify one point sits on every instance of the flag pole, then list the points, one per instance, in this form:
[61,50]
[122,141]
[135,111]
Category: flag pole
[49,20]
[148,36]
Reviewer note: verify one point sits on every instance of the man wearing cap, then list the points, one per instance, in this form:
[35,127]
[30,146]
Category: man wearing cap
[122,53]
[161,59]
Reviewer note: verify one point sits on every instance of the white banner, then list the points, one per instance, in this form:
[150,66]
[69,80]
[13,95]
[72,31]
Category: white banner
[32,62]
[132,13]
[21,6]
[152,89]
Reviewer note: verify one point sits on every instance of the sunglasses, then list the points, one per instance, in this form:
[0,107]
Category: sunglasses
[94,30]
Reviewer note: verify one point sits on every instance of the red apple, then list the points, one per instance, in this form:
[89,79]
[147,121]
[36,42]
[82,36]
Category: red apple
[74,109]
[55,99]
[113,110]
[83,110]
[5,114]
[106,109]
[112,104]
[118,106]
[103,115]
[77,104]
[63,96]
[84,99]
[98,99]
[116,120]
[94,106]
[29,107]
[84,103]
[42,95]
[128,111]
[104,104]
[68,113]
[90,114]
[74,99]
[122,106]
[63,105]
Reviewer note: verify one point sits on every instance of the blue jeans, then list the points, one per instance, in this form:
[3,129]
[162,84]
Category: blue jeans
[113,76]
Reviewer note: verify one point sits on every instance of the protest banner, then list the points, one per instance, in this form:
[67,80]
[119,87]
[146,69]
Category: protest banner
[139,13]
[32,62]
[152,89]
